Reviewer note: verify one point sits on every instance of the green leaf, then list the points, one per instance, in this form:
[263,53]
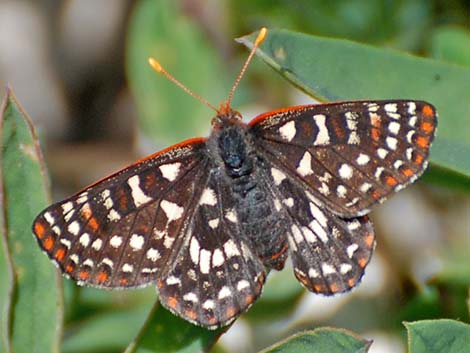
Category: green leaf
[166,113]
[333,69]
[167,333]
[451,44]
[35,312]
[321,340]
[437,336]
[106,332]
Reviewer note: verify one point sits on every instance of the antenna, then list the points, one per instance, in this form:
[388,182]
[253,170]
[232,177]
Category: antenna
[224,106]
[259,39]
[158,67]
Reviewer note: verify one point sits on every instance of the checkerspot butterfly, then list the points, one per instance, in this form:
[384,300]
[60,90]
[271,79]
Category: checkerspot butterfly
[208,218]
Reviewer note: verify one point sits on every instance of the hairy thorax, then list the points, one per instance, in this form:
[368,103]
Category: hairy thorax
[242,169]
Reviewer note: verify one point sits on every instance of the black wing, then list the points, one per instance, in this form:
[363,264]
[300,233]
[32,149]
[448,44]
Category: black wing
[350,155]
[216,275]
[121,231]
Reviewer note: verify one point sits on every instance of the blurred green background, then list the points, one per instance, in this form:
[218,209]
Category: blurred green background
[79,68]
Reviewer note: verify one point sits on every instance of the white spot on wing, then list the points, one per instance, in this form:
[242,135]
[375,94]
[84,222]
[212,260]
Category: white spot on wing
[319,231]
[217,258]
[136,242]
[391,143]
[115,241]
[172,210]
[224,293]
[138,196]
[288,130]
[153,254]
[205,261]
[127,268]
[327,269]
[231,216]
[74,228]
[214,223]
[242,284]
[312,273]
[345,171]
[341,191]
[190,297]
[194,250]
[209,304]
[172,280]
[351,249]
[322,136]
[170,171]
[208,197]
[106,261]
[305,165]
[345,268]
[394,127]
[85,239]
[362,159]
[230,249]
[382,153]
[277,175]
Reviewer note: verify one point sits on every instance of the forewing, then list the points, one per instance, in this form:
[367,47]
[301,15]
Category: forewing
[215,276]
[328,253]
[120,231]
[350,155]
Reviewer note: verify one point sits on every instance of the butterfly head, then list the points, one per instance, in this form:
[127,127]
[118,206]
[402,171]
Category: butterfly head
[225,117]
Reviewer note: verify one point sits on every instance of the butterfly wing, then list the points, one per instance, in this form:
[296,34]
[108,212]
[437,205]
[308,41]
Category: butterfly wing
[215,276]
[120,231]
[349,155]
[328,253]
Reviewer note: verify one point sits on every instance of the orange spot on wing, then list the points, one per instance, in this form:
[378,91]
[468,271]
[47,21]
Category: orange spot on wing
[362,262]
[172,302]
[334,288]
[375,133]
[93,224]
[339,131]
[231,311]
[369,239]
[376,195]
[249,299]
[83,275]
[352,282]
[48,243]
[59,254]
[427,127]
[422,141]
[427,111]
[39,229]
[123,281]
[212,320]
[191,314]
[102,277]
[69,268]
[391,181]
[318,288]
[408,172]
[418,159]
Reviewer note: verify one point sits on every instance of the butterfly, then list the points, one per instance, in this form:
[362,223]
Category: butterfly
[208,218]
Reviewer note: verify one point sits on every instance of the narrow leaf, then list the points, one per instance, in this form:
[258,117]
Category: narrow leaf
[35,312]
